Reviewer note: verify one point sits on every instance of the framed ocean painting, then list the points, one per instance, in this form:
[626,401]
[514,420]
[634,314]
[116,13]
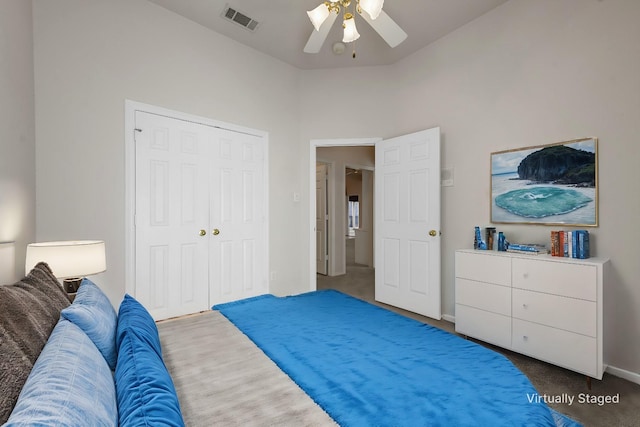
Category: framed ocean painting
[553,184]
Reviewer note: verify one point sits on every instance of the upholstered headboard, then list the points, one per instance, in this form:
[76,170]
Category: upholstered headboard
[29,309]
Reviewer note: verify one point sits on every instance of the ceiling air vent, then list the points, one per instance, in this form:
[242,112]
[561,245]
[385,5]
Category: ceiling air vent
[239,18]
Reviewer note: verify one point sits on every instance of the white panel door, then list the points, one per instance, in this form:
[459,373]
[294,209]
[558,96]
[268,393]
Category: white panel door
[407,217]
[322,218]
[238,228]
[200,228]
[171,178]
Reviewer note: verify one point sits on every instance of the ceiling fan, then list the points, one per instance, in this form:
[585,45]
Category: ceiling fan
[323,17]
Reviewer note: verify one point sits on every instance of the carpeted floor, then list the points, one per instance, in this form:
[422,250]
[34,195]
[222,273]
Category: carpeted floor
[548,379]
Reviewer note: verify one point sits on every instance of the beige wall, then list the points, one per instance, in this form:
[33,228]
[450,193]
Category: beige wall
[17,130]
[91,55]
[530,72]
[527,73]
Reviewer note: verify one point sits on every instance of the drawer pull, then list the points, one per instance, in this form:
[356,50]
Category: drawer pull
[524,306]
[525,338]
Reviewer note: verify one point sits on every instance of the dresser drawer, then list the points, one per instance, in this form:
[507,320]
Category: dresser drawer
[483,266]
[483,325]
[485,296]
[574,315]
[560,278]
[572,351]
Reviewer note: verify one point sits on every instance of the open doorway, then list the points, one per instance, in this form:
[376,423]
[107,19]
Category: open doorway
[341,155]
[350,211]
[407,219]
[349,167]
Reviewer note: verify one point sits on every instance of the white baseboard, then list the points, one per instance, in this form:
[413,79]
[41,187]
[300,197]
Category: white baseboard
[449,318]
[622,373]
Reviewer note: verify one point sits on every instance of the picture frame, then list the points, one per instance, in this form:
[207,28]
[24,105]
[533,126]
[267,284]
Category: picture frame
[551,184]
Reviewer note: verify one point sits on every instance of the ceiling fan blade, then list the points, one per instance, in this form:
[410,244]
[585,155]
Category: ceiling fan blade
[387,28]
[317,38]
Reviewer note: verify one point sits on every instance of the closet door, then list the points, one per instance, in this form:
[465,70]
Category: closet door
[238,250]
[201,227]
[172,207]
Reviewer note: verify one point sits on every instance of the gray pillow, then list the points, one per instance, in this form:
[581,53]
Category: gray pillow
[29,310]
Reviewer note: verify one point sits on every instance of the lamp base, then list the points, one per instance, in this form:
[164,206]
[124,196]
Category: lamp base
[71,286]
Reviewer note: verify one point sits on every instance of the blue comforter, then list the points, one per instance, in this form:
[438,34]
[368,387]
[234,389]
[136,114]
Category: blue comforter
[367,366]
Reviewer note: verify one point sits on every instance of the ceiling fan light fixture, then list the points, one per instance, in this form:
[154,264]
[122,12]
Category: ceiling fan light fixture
[372,7]
[318,15]
[323,17]
[350,32]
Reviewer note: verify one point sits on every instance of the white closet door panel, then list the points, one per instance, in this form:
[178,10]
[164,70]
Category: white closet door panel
[171,177]
[238,267]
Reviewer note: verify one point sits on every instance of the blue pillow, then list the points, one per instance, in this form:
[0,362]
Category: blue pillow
[145,392]
[70,384]
[92,312]
[132,316]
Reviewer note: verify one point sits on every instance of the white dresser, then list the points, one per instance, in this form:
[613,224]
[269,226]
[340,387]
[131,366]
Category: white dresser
[549,308]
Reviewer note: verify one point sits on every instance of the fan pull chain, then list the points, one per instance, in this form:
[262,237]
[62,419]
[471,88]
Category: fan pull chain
[353,54]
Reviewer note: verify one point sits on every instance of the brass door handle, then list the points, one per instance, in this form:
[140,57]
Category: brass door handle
[433,233]
[215,231]
[203,233]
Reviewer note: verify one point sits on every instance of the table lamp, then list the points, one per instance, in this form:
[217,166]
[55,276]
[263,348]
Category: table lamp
[69,260]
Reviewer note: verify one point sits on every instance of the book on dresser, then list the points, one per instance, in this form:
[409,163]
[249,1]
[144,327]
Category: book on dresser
[545,307]
[570,244]
[528,248]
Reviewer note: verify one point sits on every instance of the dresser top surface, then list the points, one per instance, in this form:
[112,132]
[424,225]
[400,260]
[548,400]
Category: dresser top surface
[540,257]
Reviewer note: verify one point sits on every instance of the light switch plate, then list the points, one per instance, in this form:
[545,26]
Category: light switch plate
[446,177]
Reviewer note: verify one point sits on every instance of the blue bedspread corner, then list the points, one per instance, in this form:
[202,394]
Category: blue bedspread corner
[562,420]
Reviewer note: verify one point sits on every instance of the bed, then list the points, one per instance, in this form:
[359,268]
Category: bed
[324,358]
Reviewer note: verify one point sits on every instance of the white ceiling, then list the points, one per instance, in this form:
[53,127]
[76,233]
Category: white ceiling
[284,27]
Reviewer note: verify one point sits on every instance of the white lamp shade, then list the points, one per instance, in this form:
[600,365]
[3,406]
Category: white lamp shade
[77,258]
[372,7]
[318,16]
[350,32]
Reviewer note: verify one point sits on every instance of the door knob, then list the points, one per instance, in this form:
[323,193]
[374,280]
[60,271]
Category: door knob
[203,233]
[216,231]
[433,233]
